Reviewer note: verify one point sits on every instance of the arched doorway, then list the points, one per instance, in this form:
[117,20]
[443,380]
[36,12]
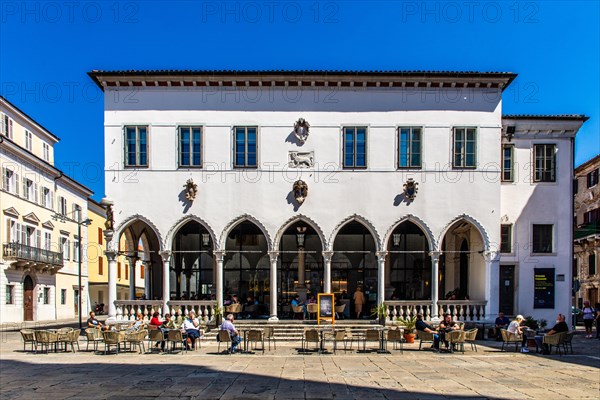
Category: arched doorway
[354,264]
[300,252]
[409,265]
[246,264]
[192,267]
[28,298]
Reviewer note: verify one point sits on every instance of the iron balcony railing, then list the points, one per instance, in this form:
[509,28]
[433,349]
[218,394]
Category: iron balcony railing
[23,252]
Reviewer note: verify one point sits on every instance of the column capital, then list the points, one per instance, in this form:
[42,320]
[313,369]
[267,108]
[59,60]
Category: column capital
[108,235]
[111,255]
[327,255]
[381,254]
[219,254]
[166,255]
[491,255]
[435,255]
[273,255]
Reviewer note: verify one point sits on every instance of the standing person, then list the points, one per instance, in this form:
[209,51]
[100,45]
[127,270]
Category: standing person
[516,329]
[359,301]
[588,318]
[597,320]
[233,332]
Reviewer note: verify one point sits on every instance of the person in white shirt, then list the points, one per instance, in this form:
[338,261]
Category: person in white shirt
[515,328]
[191,326]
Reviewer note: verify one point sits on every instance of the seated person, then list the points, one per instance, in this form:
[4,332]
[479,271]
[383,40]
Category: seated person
[296,303]
[92,322]
[191,326]
[137,325]
[155,321]
[423,326]
[500,323]
[559,327]
[311,300]
[516,329]
[447,325]
[228,325]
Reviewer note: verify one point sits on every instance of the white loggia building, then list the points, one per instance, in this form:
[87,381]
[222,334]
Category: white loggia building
[411,185]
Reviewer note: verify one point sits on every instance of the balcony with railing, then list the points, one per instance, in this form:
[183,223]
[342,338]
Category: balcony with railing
[24,256]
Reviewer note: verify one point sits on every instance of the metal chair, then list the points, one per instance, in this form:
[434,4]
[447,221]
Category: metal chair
[424,337]
[46,338]
[557,340]
[174,337]
[350,337]
[93,335]
[372,335]
[112,338]
[312,309]
[396,336]
[70,338]
[155,336]
[311,336]
[568,342]
[269,334]
[255,335]
[136,339]
[28,336]
[470,337]
[223,336]
[456,339]
[339,336]
[508,338]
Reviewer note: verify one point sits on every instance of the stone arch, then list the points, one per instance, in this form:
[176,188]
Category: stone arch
[184,220]
[360,219]
[418,222]
[475,223]
[298,218]
[134,218]
[236,221]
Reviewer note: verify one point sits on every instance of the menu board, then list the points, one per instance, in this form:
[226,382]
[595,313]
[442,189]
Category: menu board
[543,288]
[326,308]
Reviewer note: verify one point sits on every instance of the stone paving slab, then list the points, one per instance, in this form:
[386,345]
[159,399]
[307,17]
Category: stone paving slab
[286,374]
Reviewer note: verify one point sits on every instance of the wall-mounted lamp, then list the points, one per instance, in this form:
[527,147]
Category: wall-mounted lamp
[300,235]
[510,132]
[396,238]
[205,239]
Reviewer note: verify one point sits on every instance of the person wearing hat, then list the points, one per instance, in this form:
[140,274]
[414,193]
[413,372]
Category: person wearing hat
[516,329]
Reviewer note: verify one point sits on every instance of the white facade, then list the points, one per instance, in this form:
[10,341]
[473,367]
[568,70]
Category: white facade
[453,205]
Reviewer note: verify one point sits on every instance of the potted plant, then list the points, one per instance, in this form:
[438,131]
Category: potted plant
[409,324]
[380,311]
[531,323]
[217,314]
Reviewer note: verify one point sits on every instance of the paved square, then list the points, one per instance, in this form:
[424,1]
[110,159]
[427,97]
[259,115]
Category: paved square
[286,374]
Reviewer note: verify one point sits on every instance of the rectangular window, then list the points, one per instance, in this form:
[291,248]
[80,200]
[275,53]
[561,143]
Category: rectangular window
[142,272]
[47,240]
[46,149]
[46,295]
[355,147]
[47,197]
[28,140]
[592,264]
[508,152]
[409,147]
[465,148]
[10,294]
[127,272]
[506,238]
[100,238]
[136,146]
[63,296]
[545,163]
[245,146]
[591,216]
[6,126]
[592,178]
[30,190]
[118,270]
[542,238]
[62,205]
[64,246]
[76,249]
[100,265]
[190,146]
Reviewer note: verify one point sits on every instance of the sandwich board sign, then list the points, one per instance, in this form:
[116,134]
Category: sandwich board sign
[326,308]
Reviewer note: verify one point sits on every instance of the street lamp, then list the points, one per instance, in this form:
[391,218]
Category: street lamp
[80,223]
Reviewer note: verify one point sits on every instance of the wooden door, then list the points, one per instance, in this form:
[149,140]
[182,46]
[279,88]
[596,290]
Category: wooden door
[28,299]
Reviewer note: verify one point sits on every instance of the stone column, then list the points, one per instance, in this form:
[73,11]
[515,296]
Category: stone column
[131,260]
[492,270]
[111,256]
[435,282]
[381,276]
[220,256]
[327,257]
[273,255]
[147,274]
[166,281]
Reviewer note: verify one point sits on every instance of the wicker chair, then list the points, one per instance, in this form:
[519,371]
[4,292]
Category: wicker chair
[176,337]
[224,337]
[470,337]
[136,339]
[46,338]
[234,309]
[28,336]
[70,338]
[312,309]
[269,334]
[424,337]
[339,311]
[93,335]
[297,310]
[112,338]
[371,335]
[339,336]
[568,342]
[396,336]
[311,336]
[155,336]
[255,336]
[350,337]
[456,339]
[555,340]
[508,338]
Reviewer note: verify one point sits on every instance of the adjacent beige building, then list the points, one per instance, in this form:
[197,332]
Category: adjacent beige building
[587,232]
[40,257]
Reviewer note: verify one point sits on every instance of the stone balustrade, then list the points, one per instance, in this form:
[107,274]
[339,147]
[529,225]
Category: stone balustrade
[204,309]
[408,308]
[461,310]
[128,309]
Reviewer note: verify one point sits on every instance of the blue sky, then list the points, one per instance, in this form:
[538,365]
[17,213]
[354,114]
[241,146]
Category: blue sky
[46,49]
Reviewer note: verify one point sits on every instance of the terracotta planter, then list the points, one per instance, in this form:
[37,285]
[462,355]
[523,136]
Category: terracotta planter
[409,337]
